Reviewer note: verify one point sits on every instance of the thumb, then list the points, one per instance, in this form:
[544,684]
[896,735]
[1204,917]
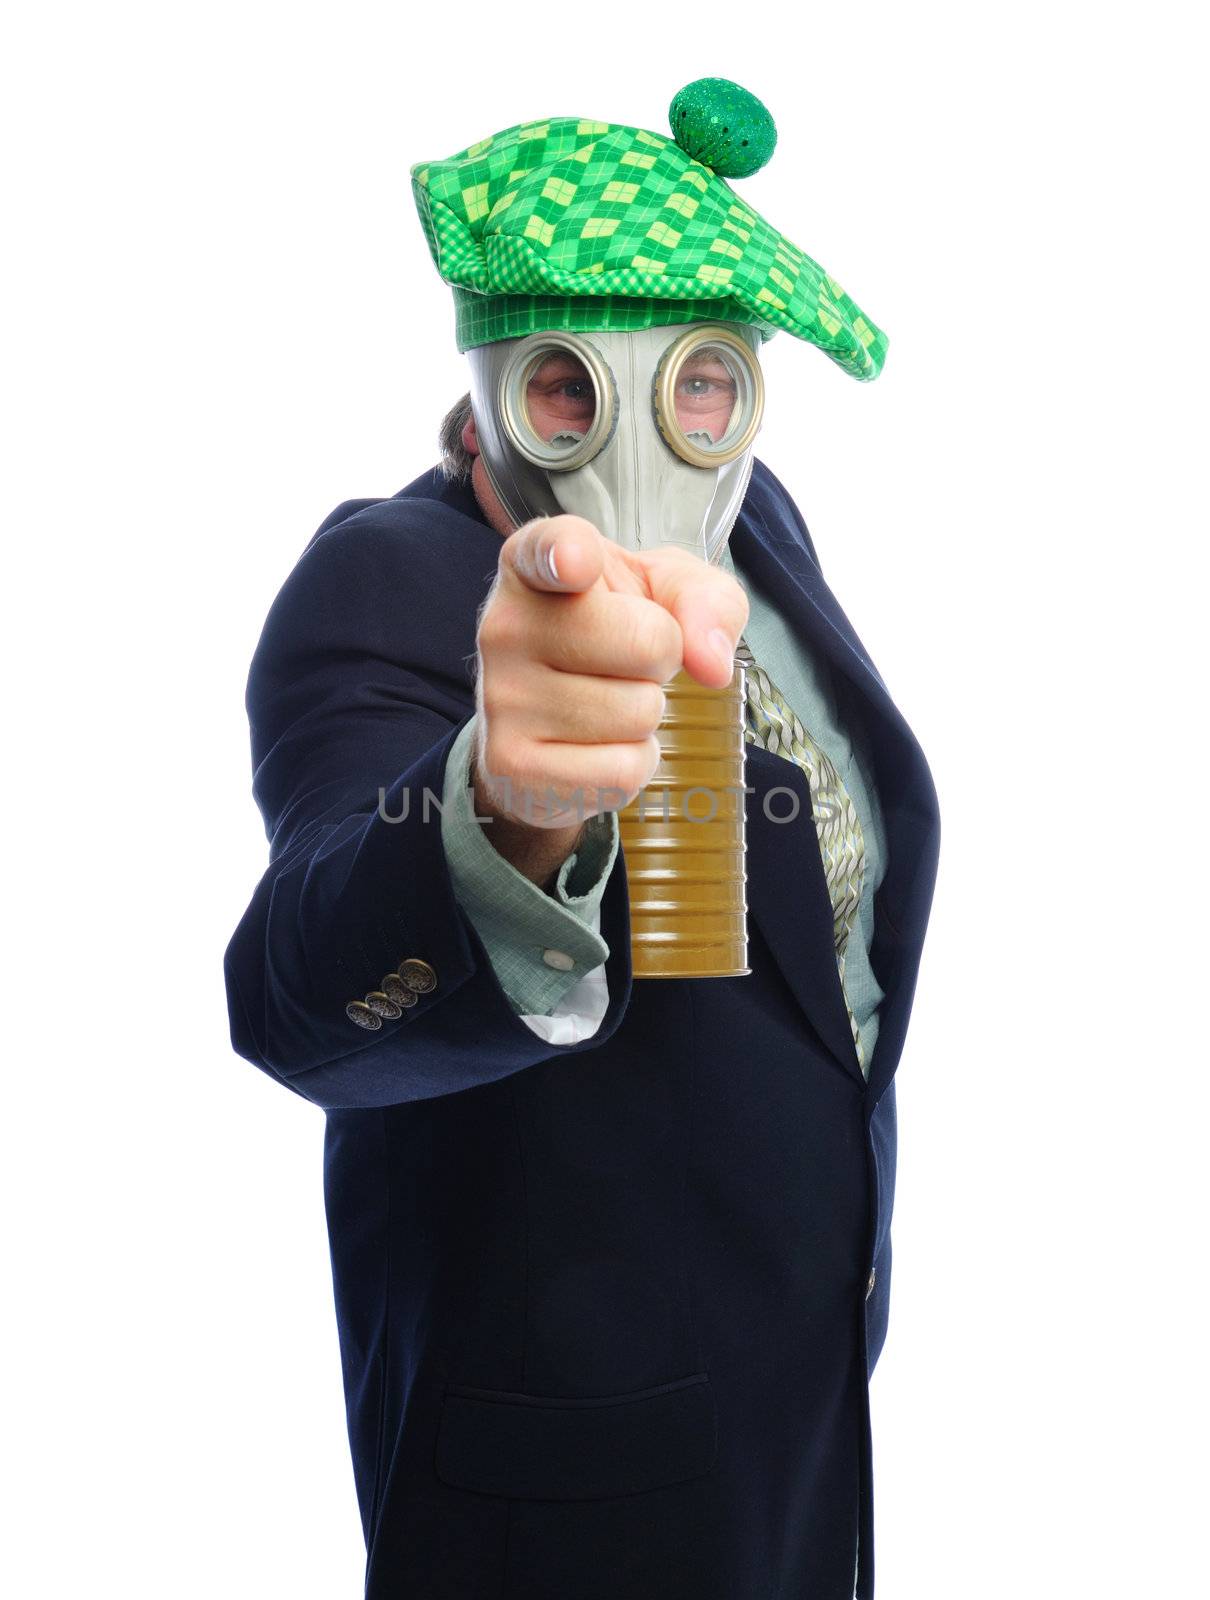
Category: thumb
[708,603]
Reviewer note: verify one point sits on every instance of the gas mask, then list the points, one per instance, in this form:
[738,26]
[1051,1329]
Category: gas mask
[648,434]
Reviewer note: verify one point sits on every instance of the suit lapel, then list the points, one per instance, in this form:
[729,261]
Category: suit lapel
[788,896]
[787,890]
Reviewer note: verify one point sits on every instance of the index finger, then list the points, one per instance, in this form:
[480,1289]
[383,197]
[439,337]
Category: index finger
[552,555]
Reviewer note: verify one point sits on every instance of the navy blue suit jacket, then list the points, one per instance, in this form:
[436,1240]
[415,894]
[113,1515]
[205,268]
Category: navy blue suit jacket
[607,1311]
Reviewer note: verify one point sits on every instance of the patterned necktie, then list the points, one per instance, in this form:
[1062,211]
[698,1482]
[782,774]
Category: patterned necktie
[773,725]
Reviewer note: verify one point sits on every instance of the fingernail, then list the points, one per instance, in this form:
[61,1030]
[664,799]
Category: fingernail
[720,643]
[550,562]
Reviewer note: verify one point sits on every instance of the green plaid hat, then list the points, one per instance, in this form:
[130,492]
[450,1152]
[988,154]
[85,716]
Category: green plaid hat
[574,224]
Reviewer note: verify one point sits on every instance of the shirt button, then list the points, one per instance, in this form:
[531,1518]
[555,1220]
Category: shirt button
[559,959]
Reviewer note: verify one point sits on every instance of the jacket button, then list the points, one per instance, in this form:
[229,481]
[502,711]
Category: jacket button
[418,975]
[869,1288]
[357,1011]
[382,1005]
[395,989]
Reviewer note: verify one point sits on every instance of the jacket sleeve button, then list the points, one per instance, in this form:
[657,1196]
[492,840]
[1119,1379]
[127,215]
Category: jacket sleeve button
[395,989]
[418,975]
[383,1006]
[357,1011]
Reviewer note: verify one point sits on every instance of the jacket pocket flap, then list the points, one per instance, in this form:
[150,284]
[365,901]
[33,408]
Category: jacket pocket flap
[534,1447]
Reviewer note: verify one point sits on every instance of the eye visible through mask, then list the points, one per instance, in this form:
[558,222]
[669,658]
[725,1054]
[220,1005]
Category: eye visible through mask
[560,400]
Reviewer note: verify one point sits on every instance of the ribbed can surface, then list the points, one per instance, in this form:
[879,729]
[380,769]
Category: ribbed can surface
[684,842]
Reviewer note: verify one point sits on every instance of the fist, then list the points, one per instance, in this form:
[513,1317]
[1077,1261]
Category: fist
[575,642]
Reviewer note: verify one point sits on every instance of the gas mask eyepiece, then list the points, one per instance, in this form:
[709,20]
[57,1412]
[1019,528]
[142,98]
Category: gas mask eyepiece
[558,401]
[708,396]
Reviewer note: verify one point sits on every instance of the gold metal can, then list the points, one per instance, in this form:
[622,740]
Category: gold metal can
[683,840]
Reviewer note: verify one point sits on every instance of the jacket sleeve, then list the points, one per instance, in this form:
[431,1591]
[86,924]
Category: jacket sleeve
[356,695]
[541,945]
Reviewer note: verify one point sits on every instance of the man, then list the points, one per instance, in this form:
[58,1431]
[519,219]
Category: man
[611,1257]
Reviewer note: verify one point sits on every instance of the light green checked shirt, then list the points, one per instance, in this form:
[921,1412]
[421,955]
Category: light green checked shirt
[547,950]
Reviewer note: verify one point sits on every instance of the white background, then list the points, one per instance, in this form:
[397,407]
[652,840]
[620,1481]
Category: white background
[222,320]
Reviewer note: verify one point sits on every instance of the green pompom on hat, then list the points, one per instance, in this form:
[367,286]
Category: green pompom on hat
[575,224]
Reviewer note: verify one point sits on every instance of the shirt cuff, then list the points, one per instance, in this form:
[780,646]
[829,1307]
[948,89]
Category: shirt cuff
[540,945]
[578,1014]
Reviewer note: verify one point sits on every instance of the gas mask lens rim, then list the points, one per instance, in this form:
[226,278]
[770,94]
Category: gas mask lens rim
[750,402]
[514,408]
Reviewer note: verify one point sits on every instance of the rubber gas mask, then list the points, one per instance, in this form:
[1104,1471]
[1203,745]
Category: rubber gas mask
[648,434]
